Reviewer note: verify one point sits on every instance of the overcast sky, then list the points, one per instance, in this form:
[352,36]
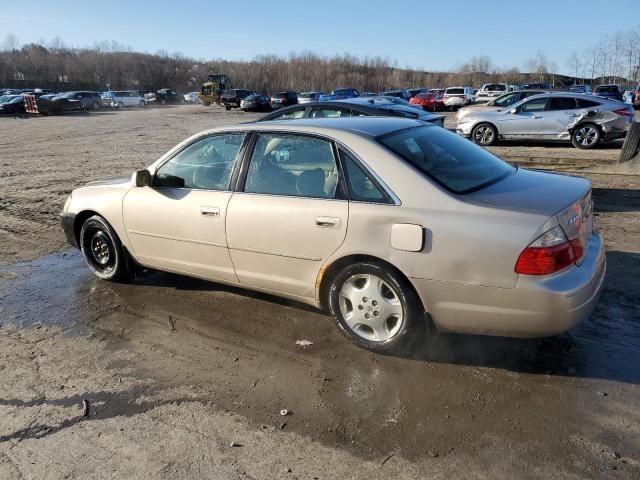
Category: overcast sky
[428,35]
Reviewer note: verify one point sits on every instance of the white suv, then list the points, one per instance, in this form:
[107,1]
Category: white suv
[489,91]
[456,97]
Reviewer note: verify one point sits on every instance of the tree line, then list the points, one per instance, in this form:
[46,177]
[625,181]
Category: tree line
[109,64]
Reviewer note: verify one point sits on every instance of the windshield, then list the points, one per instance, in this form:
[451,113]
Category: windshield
[455,163]
[506,100]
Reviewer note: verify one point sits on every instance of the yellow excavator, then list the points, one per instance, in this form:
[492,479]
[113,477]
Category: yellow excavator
[211,90]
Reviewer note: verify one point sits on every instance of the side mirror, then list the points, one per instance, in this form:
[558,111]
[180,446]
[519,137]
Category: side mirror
[513,111]
[142,178]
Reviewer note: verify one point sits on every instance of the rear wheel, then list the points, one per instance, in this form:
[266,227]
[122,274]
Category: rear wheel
[585,136]
[103,251]
[484,134]
[375,307]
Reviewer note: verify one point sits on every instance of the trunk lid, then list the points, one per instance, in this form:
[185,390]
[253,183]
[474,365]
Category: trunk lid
[532,191]
[567,197]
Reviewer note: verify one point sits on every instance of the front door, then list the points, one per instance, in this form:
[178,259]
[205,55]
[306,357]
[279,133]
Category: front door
[178,223]
[290,216]
[527,122]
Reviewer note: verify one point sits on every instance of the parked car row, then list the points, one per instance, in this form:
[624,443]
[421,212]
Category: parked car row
[13,101]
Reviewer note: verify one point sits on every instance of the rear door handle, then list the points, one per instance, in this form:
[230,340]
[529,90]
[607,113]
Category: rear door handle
[210,211]
[328,222]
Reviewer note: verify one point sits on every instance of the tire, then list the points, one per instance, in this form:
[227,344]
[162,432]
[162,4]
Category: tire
[227,108]
[103,251]
[586,136]
[631,143]
[363,294]
[142,104]
[120,105]
[484,134]
[95,106]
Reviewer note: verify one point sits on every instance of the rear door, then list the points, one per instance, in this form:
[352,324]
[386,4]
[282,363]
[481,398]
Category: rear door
[289,214]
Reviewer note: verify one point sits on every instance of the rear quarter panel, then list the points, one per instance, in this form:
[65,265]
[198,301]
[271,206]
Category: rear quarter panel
[464,242]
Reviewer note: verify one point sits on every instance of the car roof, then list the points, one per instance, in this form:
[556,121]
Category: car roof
[369,126]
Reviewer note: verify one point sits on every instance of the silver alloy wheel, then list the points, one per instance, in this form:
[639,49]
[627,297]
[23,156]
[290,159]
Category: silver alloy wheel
[483,135]
[371,307]
[587,136]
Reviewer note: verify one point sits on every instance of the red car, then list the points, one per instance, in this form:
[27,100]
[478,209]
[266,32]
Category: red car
[429,101]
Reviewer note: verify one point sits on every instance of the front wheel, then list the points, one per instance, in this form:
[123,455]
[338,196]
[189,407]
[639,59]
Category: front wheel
[102,250]
[585,136]
[484,134]
[375,307]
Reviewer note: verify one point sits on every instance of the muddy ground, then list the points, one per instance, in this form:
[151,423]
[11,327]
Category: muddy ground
[176,371]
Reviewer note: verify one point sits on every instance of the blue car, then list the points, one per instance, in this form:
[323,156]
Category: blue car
[340,94]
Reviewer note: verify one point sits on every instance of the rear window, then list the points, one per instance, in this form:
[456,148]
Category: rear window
[457,164]
[495,87]
[607,89]
[454,91]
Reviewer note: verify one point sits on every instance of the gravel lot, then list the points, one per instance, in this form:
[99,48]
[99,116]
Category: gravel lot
[176,371]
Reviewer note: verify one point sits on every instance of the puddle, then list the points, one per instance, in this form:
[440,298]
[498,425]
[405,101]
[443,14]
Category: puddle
[59,290]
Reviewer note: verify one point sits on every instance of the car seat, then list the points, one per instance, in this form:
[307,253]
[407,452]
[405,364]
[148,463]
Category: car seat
[310,183]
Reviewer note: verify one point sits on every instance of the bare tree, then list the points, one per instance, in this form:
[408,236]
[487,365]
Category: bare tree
[11,43]
[574,62]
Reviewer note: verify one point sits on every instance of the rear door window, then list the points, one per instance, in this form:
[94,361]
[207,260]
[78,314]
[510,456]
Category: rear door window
[362,187]
[294,165]
[562,103]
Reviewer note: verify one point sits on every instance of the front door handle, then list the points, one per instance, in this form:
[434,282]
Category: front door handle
[210,211]
[328,222]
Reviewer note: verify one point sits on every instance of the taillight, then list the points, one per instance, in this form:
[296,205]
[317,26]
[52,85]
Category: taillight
[624,112]
[549,253]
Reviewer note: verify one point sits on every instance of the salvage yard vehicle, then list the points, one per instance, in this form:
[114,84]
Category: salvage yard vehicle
[457,97]
[378,220]
[164,96]
[339,94]
[232,98]
[256,103]
[491,90]
[354,107]
[430,102]
[499,103]
[584,120]
[284,99]
[612,92]
[308,97]
[122,98]
[192,97]
[81,100]
[12,104]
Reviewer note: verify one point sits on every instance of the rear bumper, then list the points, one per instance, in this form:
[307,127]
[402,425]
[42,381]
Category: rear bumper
[535,307]
[67,220]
